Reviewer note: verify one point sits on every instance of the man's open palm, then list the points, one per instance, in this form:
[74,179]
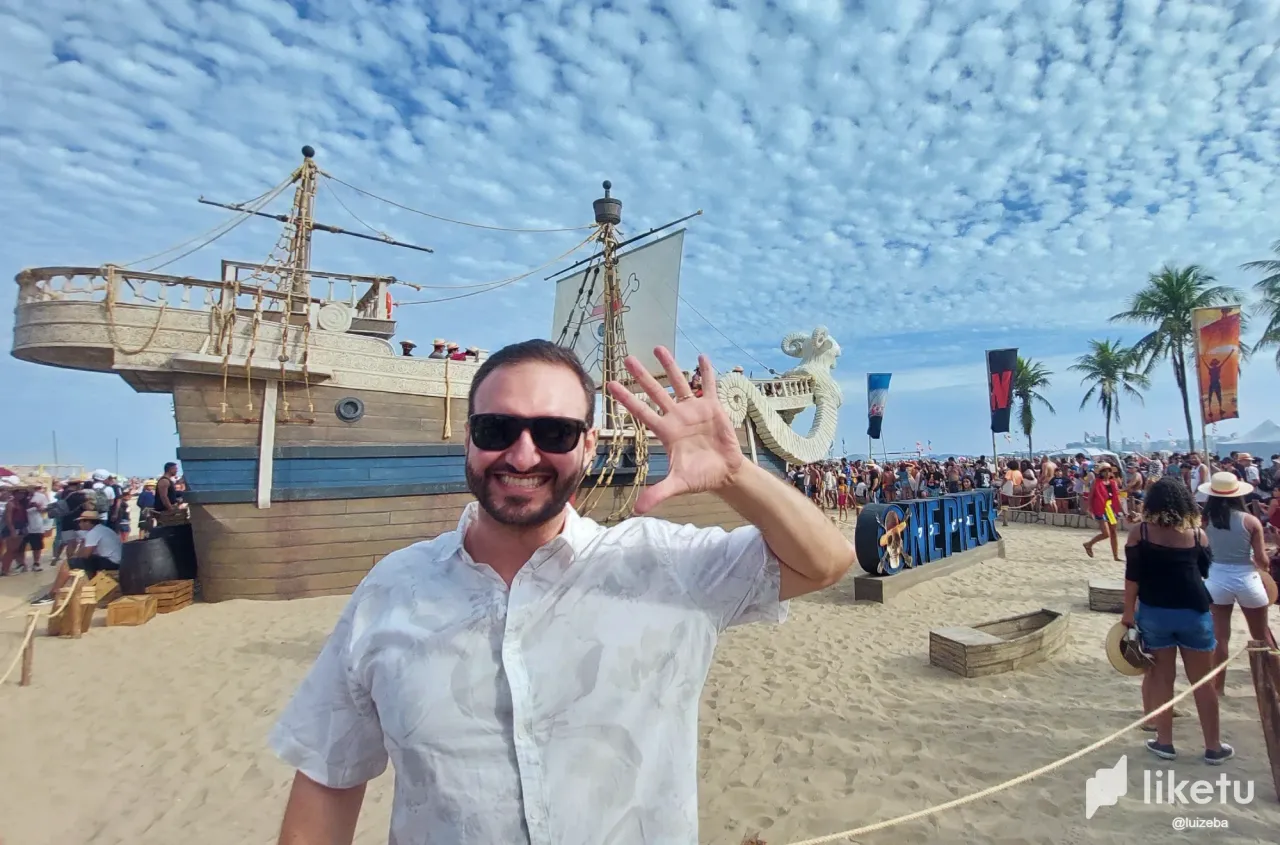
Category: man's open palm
[703,452]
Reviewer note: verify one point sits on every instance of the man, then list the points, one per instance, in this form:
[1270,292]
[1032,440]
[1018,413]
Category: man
[98,548]
[536,676]
[1135,490]
[1196,474]
[1215,382]
[167,495]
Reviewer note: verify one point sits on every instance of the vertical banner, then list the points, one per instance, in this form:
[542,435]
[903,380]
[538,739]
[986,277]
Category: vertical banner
[1218,361]
[1000,367]
[877,395]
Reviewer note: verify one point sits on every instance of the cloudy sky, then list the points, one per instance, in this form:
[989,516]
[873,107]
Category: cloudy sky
[927,180]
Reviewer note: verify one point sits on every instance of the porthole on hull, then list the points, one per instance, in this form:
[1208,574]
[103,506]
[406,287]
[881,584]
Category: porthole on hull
[349,409]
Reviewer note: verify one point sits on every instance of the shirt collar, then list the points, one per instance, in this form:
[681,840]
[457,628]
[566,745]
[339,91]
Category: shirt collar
[578,531]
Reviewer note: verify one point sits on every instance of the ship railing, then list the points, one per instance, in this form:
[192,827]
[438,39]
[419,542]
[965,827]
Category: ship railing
[785,388]
[134,287]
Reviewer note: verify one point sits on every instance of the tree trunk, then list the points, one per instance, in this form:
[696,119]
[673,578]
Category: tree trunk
[1180,376]
[1030,450]
[1108,429]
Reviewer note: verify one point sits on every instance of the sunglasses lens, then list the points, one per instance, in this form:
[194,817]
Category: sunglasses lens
[494,432]
[553,435]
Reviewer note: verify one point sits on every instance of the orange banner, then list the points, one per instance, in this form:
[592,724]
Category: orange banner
[1218,361]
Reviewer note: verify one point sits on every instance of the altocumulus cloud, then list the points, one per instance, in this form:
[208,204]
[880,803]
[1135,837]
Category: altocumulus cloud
[927,179]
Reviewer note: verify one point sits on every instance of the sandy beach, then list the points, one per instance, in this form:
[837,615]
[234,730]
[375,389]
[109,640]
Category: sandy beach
[157,734]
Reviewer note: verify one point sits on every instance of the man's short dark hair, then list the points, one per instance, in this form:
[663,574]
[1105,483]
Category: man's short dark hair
[541,352]
[170,465]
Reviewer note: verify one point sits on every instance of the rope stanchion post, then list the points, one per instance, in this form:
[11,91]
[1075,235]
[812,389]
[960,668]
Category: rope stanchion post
[73,607]
[25,657]
[29,651]
[1264,666]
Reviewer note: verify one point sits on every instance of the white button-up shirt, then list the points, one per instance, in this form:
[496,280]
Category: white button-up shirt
[563,711]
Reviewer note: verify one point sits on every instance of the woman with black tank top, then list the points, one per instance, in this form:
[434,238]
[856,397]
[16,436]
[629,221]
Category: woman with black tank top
[1167,559]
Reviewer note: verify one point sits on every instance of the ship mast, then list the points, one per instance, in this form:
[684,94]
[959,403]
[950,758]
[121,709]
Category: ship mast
[302,223]
[608,211]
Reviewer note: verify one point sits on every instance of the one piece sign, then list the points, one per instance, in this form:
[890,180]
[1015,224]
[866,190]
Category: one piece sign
[892,537]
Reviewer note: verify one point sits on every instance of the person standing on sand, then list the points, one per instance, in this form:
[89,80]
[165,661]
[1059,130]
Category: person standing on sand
[534,676]
[1104,505]
[1239,556]
[1167,558]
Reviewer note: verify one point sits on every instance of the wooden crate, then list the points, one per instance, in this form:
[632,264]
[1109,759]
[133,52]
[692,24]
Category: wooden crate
[172,595]
[106,587]
[60,623]
[131,610]
[1106,595]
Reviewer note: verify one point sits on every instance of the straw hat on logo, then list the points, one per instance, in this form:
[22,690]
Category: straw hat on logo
[1225,485]
[1124,650]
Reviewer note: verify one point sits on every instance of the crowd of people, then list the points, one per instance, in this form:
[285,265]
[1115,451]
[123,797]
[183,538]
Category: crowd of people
[1201,540]
[83,519]
[1041,485]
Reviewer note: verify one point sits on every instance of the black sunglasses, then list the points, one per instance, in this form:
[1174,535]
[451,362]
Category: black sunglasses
[498,432]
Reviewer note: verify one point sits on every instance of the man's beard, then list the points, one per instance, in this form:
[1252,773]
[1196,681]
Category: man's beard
[514,510]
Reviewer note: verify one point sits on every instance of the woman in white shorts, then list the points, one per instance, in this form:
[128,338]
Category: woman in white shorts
[1239,558]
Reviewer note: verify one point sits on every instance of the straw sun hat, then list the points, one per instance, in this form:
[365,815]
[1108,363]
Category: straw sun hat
[1269,584]
[1124,650]
[1225,485]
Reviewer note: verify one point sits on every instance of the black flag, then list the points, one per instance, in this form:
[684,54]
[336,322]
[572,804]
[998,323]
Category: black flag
[1000,366]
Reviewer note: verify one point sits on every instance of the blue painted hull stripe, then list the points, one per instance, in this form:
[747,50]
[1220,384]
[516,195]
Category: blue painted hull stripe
[223,474]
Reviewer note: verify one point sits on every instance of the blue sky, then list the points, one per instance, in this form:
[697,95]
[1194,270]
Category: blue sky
[928,180]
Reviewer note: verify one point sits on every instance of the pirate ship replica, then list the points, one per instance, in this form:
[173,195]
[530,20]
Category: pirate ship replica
[311,449]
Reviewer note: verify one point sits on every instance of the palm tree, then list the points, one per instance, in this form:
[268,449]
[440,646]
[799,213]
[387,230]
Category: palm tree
[1165,305]
[1110,369]
[1269,306]
[1029,376]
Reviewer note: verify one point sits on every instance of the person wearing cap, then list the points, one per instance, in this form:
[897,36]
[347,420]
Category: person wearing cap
[1167,556]
[407,347]
[98,549]
[146,506]
[1239,559]
[437,349]
[454,354]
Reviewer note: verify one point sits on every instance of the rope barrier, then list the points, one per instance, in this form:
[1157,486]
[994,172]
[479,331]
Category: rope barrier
[1035,773]
[34,617]
[372,195]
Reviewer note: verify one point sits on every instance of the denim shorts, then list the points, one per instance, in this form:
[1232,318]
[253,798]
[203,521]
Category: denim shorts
[1166,627]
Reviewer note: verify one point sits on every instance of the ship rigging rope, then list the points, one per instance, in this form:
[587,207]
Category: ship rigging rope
[354,216]
[246,211]
[500,283]
[442,219]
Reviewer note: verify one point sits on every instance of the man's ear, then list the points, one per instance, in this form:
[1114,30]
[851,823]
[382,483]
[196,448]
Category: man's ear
[589,440]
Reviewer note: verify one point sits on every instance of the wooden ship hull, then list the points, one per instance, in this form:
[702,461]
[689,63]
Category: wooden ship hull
[999,646]
[310,448]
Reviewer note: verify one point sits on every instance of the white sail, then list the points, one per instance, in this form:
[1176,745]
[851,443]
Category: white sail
[649,278]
